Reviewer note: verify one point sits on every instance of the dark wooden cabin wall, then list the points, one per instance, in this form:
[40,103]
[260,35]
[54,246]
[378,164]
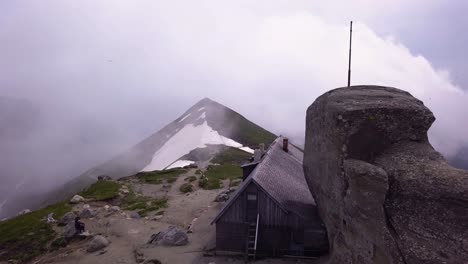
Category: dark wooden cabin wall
[231,236]
[275,230]
[236,212]
[270,213]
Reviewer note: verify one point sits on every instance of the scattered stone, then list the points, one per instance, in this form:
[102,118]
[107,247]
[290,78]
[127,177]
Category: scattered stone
[97,243]
[50,218]
[77,199]
[155,217]
[104,178]
[115,208]
[139,256]
[25,211]
[87,213]
[135,215]
[106,207]
[69,230]
[86,206]
[166,186]
[102,252]
[67,218]
[172,236]
[222,197]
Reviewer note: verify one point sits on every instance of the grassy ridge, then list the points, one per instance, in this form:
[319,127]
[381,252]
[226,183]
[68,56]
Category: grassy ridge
[157,177]
[102,190]
[143,204]
[214,175]
[232,156]
[27,236]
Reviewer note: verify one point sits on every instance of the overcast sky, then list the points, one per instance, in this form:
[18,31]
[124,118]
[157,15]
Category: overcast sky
[106,74]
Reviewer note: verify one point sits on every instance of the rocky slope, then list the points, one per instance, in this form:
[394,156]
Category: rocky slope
[206,128]
[384,194]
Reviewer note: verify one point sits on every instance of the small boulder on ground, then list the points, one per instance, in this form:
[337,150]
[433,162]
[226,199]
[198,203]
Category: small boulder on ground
[97,243]
[69,230]
[222,197]
[77,199]
[156,217]
[135,215]
[67,218]
[172,236]
[115,208]
[87,213]
[104,178]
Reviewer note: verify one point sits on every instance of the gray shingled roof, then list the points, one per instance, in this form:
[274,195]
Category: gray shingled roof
[281,175]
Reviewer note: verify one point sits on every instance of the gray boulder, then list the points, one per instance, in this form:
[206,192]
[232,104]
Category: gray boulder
[69,230]
[135,215]
[114,208]
[87,213]
[222,197]
[384,194]
[67,218]
[77,199]
[97,243]
[172,236]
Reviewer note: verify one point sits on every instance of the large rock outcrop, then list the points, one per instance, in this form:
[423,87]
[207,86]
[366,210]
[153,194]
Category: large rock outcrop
[384,194]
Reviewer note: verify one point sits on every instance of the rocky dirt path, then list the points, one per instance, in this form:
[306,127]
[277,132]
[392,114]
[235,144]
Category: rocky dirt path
[128,235]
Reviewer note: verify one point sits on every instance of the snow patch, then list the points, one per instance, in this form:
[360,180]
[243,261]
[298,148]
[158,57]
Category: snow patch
[180,164]
[247,149]
[188,138]
[202,116]
[201,108]
[183,118]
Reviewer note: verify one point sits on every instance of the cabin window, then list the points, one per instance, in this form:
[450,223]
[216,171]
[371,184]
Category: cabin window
[251,197]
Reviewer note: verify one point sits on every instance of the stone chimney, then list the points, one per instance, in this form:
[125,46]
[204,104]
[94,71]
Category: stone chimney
[257,155]
[261,146]
[285,144]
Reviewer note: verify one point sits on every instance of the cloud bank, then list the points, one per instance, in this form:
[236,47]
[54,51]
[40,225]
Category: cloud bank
[106,74]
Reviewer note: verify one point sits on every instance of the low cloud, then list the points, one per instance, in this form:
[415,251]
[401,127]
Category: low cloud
[106,74]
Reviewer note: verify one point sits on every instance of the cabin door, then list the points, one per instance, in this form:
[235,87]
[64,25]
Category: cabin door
[252,206]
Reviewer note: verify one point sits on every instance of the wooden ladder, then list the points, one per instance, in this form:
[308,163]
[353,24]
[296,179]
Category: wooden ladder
[252,235]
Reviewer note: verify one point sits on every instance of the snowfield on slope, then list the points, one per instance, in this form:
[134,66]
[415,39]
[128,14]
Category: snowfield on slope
[180,164]
[189,138]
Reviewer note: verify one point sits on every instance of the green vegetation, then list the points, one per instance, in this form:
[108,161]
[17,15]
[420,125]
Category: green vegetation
[143,204]
[157,177]
[26,236]
[102,190]
[242,130]
[186,187]
[232,156]
[191,179]
[58,243]
[215,174]
[203,182]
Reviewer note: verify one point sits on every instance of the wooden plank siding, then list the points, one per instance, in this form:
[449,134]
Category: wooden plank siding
[277,228]
[231,236]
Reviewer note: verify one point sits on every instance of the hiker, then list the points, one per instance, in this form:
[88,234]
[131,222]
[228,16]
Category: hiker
[79,226]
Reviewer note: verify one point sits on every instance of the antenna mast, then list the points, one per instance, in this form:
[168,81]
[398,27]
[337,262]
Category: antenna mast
[349,62]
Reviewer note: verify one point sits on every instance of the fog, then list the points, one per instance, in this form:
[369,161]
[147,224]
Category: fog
[102,75]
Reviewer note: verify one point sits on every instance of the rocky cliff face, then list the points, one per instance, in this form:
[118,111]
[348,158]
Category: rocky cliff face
[384,194]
